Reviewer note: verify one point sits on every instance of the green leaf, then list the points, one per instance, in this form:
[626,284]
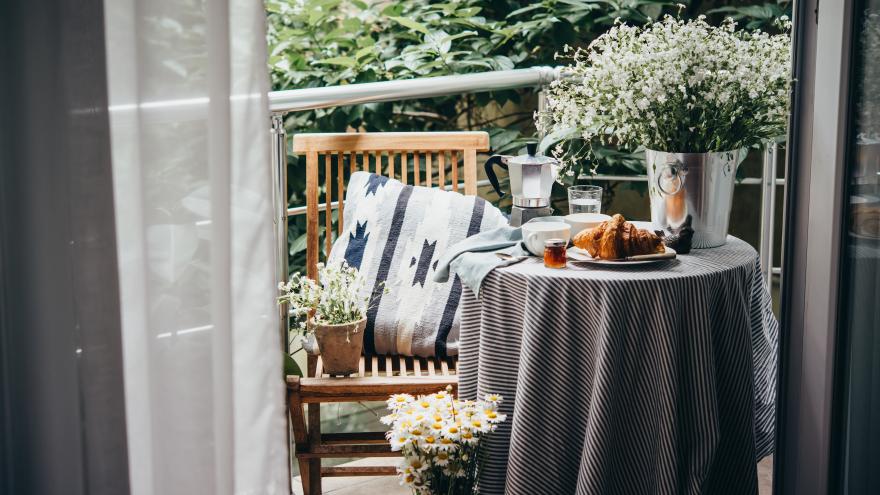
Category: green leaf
[503,62]
[440,40]
[580,4]
[274,7]
[298,245]
[463,34]
[554,137]
[499,140]
[363,52]
[411,24]
[468,12]
[290,366]
[343,61]
[523,10]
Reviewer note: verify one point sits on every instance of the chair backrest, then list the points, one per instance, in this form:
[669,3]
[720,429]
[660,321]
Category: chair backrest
[428,158]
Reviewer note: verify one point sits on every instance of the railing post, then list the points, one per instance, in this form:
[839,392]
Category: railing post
[542,106]
[279,193]
[768,209]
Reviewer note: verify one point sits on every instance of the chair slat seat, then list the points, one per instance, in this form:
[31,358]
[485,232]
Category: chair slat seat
[369,388]
[395,367]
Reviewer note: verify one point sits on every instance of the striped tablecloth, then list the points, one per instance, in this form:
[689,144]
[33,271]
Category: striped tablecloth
[657,379]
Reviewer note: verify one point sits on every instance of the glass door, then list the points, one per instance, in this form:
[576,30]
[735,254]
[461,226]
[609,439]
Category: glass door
[856,420]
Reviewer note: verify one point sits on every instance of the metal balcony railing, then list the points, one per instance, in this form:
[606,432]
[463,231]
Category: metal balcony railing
[282,102]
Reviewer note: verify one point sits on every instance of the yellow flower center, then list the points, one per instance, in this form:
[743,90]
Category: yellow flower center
[453,430]
[442,456]
[417,432]
[429,439]
[477,424]
[491,415]
[425,404]
[416,464]
[409,478]
[445,441]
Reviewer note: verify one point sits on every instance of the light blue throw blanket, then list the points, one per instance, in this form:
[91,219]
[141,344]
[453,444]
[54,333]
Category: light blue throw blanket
[473,258]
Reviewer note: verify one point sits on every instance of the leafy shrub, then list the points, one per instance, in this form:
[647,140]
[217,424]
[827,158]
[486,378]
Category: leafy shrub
[314,43]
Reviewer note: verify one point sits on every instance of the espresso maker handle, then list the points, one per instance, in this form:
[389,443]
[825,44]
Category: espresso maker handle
[501,161]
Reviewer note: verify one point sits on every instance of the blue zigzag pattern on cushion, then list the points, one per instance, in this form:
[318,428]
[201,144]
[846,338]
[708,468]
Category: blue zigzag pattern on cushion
[357,242]
[374,183]
[424,263]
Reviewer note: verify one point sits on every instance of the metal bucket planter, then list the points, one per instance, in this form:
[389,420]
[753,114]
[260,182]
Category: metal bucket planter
[341,346]
[699,185]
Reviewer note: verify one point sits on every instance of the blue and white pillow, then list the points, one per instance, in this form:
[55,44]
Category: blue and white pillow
[395,233]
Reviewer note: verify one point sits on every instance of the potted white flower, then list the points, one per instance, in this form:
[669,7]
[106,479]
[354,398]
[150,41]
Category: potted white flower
[439,437]
[335,310]
[694,96]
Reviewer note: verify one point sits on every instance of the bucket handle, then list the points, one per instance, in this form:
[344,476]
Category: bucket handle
[676,169]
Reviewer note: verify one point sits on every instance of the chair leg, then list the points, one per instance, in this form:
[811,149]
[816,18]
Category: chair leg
[314,470]
[314,428]
[301,437]
[312,466]
[305,476]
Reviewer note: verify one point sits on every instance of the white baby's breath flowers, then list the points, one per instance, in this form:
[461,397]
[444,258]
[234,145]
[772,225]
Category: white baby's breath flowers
[439,437]
[671,85]
[341,297]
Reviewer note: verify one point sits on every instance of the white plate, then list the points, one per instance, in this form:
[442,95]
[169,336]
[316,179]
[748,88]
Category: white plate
[578,255]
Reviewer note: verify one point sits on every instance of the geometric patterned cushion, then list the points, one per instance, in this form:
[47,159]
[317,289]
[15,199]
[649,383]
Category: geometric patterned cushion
[395,233]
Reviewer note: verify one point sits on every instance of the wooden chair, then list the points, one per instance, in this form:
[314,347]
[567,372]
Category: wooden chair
[436,157]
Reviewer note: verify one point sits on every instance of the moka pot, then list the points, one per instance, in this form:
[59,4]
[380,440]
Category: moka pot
[531,177]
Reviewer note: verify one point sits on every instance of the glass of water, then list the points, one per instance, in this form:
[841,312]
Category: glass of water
[584,199]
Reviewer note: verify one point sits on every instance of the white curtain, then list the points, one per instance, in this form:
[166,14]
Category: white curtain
[192,182]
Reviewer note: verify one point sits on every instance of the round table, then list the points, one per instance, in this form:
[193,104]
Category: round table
[644,379]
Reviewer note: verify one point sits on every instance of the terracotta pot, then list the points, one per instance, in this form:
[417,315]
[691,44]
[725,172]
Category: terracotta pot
[341,346]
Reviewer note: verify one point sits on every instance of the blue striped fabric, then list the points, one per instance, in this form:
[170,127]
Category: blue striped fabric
[658,379]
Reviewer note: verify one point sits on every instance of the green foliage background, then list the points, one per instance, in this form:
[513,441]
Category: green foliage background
[314,43]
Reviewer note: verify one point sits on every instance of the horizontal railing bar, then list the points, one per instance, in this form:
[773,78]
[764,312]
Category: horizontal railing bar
[749,181]
[295,100]
[301,210]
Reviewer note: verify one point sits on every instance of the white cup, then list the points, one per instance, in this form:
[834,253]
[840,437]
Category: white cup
[582,221]
[536,233]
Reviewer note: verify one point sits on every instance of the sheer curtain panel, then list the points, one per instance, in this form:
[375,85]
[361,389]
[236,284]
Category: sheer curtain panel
[192,185]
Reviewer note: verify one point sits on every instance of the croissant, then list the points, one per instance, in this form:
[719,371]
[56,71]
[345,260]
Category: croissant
[616,239]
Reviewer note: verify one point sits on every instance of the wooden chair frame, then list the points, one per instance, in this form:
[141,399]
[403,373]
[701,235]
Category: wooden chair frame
[379,376]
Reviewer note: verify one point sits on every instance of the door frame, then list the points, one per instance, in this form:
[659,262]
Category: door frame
[814,206]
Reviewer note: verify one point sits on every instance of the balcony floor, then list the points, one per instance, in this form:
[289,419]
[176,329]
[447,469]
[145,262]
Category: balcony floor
[388,485]
[360,485]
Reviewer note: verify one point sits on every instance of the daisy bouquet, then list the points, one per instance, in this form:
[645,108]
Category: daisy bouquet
[674,85]
[439,437]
